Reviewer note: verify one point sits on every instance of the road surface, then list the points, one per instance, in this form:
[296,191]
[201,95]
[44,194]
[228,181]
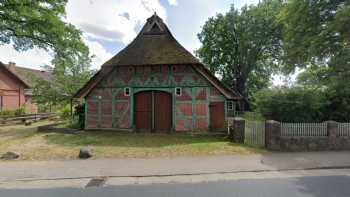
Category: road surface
[286,186]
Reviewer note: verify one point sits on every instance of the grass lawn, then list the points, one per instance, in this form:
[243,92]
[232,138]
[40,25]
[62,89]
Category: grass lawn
[32,145]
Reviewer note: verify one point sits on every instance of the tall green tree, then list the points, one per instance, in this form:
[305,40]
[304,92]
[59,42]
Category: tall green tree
[243,46]
[26,24]
[314,31]
[317,33]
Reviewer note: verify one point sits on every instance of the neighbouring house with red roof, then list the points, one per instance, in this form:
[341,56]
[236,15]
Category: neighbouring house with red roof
[155,84]
[16,87]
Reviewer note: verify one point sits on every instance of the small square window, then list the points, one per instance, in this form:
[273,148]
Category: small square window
[126,91]
[230,105]
[178,91]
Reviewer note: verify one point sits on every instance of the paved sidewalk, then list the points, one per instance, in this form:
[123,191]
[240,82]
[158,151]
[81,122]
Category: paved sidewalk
[75,169]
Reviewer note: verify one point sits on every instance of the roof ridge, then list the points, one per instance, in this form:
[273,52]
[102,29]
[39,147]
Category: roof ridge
[33,69]
[153,46]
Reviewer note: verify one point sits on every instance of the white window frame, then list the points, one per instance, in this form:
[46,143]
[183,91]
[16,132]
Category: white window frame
[127,91]
[230,105]
[180,89]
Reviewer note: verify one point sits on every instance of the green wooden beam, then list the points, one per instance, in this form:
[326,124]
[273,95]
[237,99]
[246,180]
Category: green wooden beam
[114,118]
[194,106]
[132,125]
[153,127]
[86,114]
[207,100]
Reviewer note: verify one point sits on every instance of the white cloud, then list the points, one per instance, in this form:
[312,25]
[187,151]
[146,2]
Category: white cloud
[101,55]
[112,20]
[172,2]
[34,58]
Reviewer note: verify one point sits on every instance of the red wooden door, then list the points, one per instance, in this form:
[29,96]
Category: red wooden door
[217,116]
[143,111]
[162,111]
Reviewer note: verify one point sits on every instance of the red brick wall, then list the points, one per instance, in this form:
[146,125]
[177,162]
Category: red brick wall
[11,90]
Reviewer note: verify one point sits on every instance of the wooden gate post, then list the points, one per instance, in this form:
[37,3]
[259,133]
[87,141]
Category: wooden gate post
[237,135]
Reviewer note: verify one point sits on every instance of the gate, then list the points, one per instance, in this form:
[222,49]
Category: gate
[254,133]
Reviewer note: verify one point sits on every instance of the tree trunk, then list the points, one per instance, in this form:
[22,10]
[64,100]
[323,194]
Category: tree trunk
[239,85]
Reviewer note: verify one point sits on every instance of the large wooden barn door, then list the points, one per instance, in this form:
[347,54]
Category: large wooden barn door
[162,111]
[217,116]
[143,111]
[153,111]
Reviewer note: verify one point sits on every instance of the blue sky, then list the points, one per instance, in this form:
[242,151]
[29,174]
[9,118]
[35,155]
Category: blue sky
[109,25]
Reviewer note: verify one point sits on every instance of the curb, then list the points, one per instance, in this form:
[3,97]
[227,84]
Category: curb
[173,175]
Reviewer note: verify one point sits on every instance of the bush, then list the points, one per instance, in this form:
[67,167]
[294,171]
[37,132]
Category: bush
[253,116]
[294,104]
[7,113]
[64,112]
[16,112]
[20,111]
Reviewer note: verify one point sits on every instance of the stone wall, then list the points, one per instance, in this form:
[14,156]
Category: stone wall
[275,141]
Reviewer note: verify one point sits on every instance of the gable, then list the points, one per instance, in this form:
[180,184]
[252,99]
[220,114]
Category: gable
[154,46]
[9,80]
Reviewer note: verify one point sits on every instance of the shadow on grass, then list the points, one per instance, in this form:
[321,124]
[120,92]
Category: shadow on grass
[127,139]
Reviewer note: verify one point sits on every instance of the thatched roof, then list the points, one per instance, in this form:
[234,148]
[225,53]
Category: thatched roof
[154,45]
[29,75]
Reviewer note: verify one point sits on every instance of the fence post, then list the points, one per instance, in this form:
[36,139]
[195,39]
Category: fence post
[332,129]
[237,135]
[272,135]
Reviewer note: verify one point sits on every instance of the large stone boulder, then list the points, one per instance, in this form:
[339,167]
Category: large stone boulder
[85,153]
[9,156]
[27,123]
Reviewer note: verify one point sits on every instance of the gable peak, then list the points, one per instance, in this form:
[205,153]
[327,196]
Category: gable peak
[155,26]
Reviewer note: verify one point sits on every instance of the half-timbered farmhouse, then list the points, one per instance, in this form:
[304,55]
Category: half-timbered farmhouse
[155,84]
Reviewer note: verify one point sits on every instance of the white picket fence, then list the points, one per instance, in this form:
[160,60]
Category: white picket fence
[304,129]
[254,133]
[344,129]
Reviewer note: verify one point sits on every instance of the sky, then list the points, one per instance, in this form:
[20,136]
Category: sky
[109,25]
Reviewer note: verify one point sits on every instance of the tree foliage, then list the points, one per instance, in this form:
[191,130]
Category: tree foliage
[314,31]
[243,46]
[26,24]
[316,36]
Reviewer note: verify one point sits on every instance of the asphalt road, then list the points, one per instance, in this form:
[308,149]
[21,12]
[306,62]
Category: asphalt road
[311,186]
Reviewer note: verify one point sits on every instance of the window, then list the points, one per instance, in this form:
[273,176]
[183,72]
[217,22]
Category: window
[126,91]
[178,91]
[230,105]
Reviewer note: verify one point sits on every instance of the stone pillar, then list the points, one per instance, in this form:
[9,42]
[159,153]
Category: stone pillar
[332,129]
[272,135]
[237,135]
